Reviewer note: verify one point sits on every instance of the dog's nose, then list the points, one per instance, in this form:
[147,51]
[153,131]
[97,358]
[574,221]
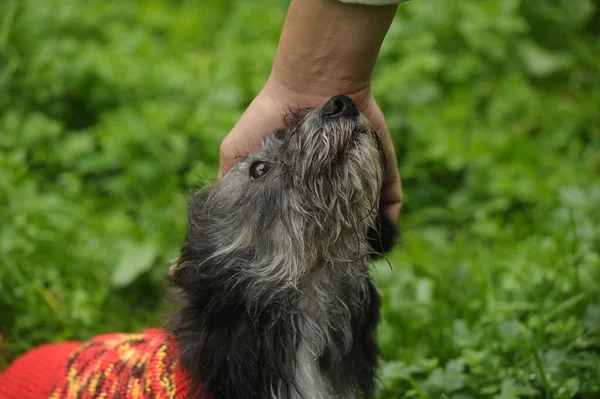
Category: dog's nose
[339,105]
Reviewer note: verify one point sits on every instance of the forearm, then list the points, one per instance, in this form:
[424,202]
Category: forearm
[328,47]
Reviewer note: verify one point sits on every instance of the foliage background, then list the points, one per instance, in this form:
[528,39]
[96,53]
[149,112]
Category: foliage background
[110,112]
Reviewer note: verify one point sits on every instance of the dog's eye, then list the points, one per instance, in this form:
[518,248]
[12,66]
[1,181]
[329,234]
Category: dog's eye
[259,169]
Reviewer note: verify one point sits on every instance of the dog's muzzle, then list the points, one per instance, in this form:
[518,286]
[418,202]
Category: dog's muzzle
[339,106]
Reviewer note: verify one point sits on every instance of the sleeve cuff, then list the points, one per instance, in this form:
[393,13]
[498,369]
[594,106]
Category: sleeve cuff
[373,2]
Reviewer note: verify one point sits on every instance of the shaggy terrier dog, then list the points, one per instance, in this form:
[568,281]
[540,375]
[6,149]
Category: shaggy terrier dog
[275,300]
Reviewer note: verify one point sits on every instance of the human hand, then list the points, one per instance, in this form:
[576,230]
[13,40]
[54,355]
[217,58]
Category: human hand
[266,114]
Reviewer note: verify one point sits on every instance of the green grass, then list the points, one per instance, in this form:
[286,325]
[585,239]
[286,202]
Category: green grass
[110,112]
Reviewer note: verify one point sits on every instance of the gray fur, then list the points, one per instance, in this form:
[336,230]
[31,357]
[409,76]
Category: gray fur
[296,242]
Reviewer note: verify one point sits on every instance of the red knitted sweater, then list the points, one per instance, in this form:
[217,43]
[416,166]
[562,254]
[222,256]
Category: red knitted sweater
[133,366]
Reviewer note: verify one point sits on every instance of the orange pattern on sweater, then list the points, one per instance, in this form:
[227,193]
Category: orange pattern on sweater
[134,366]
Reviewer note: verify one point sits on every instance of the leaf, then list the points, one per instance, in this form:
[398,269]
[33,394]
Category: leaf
[541,62]
[512,390]
[571,387]
[449,379]
[592,317]
[135,260]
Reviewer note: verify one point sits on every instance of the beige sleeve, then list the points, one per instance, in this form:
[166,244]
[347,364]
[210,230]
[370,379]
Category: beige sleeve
[373,2]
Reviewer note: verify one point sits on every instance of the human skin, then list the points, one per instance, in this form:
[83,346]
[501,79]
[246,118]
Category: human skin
[326,48]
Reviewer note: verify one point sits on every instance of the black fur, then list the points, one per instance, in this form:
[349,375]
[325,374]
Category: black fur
[234,352]
[385,237]
[360,364]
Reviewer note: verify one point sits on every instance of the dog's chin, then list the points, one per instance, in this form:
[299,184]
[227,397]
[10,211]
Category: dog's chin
[384,234]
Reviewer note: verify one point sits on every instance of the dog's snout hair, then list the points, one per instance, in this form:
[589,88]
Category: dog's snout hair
[273,276]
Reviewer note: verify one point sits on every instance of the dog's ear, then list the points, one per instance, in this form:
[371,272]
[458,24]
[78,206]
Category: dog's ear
[384,236]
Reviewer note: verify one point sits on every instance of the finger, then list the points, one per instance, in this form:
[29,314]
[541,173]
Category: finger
[244,139]
[391,196]
[226,155]
[391,192]
[261,118]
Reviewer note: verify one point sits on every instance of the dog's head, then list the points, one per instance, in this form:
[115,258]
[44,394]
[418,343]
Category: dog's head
[275,260]
[309,197]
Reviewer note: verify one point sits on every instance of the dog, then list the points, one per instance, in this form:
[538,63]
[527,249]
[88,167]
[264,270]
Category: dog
[274,299]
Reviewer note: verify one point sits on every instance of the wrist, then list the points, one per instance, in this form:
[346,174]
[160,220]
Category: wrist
[328,47]
[283,90]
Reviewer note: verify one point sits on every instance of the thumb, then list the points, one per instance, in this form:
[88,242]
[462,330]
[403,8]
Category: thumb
[260,119]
